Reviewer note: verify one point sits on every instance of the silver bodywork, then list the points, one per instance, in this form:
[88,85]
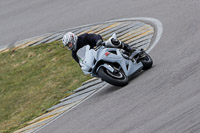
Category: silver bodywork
[92,59]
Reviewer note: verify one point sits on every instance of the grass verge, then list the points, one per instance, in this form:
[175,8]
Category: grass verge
[32,80]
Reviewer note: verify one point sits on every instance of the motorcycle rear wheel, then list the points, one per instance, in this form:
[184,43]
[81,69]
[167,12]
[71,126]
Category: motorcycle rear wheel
[117,79]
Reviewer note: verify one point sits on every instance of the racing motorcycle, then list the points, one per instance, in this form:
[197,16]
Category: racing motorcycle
[113,65]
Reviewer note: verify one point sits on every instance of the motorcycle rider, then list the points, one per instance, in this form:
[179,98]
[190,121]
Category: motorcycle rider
[74,43]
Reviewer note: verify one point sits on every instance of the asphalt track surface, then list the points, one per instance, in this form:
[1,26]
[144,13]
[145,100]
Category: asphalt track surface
[164,99]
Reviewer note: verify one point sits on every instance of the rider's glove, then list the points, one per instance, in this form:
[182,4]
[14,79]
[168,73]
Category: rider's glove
[99,43]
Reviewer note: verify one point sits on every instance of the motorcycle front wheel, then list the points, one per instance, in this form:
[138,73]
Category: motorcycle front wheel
[146,61]
[115,78]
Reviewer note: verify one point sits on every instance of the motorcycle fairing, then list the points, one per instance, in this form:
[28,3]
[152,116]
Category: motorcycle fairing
[129,67]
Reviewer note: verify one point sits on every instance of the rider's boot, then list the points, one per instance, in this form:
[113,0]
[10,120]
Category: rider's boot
[128,49]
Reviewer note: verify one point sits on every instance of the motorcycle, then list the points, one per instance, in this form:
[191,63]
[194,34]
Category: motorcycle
[113,65]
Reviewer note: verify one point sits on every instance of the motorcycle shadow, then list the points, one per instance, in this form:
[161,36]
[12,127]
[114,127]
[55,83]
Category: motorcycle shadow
[135,75]
[111,88]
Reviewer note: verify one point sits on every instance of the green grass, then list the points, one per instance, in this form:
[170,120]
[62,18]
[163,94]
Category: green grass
[32,80]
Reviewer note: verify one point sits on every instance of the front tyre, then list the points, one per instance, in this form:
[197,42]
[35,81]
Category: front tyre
[146,61]
[116,78]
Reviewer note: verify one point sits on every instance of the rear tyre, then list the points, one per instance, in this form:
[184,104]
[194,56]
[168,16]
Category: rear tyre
[146,61]
[117,78]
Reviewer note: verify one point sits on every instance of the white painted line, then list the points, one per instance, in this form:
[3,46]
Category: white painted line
[70,109]
[158,25]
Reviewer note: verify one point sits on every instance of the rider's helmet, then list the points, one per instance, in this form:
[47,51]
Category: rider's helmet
[70,40]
